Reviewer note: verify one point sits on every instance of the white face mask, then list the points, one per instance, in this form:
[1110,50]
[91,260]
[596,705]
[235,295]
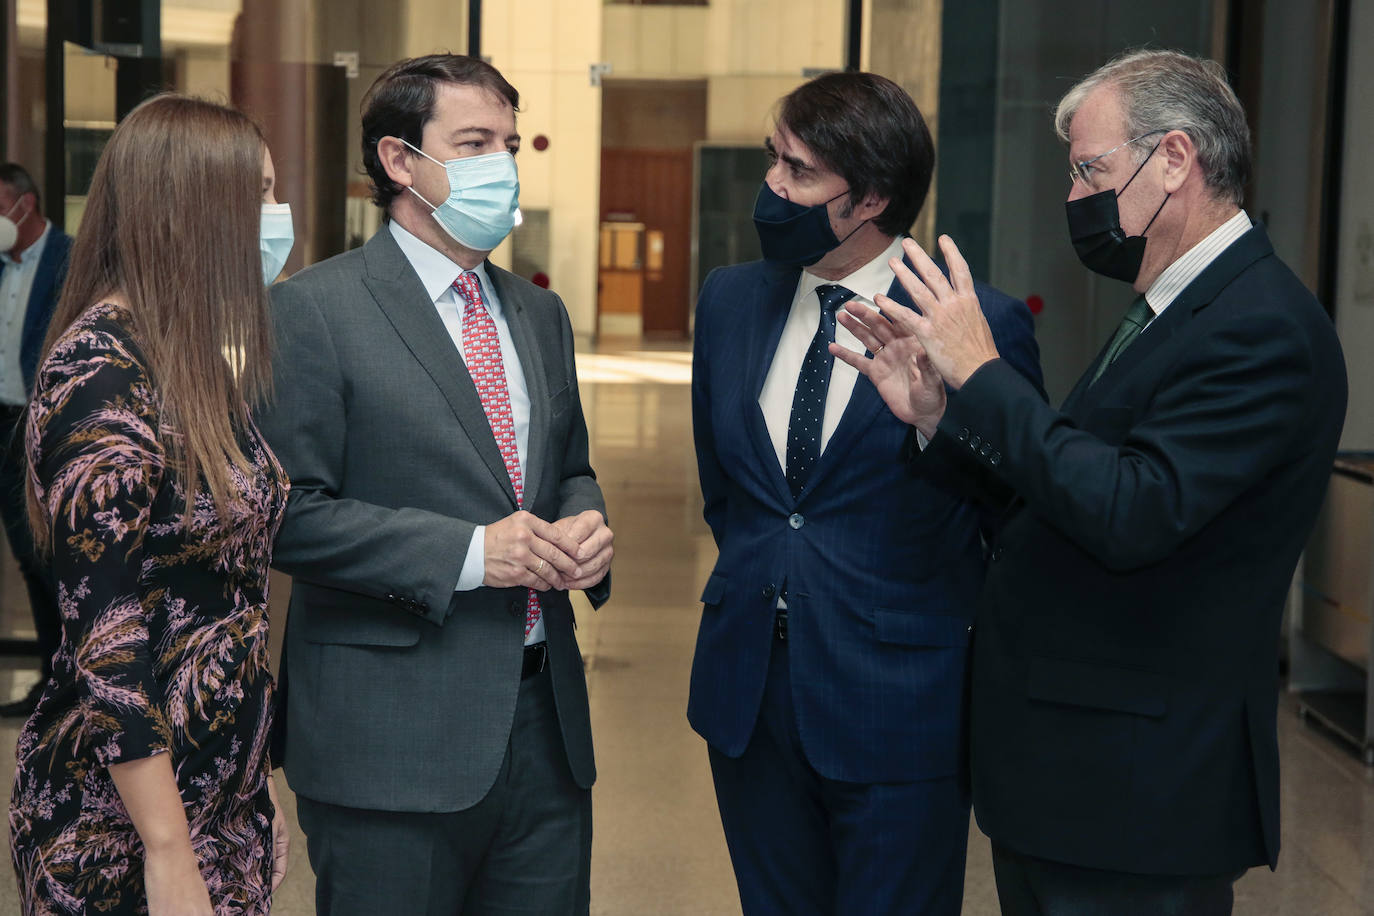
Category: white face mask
[275,240]
[483,203]
[9,229]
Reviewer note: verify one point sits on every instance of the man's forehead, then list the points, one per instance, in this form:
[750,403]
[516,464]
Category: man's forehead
[1097,121]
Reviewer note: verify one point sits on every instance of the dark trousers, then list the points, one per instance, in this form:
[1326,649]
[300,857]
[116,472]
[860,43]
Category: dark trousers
[1027,886]
[14,513]
[805,845]
[524,848]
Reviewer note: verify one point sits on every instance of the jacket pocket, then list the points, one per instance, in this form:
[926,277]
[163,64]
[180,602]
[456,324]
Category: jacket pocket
[560,399]
[921,629]
[1068,682]
[714,590]
[330,617]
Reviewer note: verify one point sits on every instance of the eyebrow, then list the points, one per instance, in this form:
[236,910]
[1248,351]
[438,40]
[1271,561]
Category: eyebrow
[793,161]
[483,133]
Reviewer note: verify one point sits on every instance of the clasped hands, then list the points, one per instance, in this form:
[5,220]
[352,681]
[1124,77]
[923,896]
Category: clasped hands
[571,553]
[915,354]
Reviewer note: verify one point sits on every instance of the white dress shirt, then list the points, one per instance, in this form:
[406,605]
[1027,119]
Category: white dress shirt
[16,285]
[1185,270]
[775,400]
[437,273]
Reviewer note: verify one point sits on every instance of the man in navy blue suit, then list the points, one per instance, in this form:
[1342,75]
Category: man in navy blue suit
[829,676]
[33,264]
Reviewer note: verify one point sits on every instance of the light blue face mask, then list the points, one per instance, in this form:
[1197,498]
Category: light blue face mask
[483,203]
[275,240]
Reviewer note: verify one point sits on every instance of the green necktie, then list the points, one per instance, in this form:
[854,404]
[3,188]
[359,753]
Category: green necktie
[1137,316]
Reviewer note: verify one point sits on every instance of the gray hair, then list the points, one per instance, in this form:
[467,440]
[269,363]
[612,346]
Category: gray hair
[19,180]
[1170,90]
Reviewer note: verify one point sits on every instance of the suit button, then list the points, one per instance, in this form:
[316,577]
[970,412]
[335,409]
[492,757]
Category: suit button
[974,442]
[986,450]
[517,607]
[391,596]
[796,520]
[995,458]
[963,434]
[769,591]
[996,554]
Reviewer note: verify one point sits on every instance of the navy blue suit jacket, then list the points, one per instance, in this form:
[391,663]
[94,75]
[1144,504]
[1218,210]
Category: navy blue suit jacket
[47,288]
[881,568]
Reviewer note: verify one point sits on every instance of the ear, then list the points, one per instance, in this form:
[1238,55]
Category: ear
[871,207]
[1180,159]
[395,158]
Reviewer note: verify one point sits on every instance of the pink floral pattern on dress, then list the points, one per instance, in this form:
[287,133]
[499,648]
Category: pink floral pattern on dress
[164,641]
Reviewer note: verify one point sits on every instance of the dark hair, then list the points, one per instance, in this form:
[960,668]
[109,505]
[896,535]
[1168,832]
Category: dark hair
[867,130]
[401,102]
[17,177]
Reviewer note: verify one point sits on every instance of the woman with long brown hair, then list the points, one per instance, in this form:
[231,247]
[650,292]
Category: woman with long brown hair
[143,783]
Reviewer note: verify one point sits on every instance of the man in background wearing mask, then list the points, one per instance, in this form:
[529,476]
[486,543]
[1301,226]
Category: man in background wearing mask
[33,264]
[828,679]
[442,505]
[1124,677]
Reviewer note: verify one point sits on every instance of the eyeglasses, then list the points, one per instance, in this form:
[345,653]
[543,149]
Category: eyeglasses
[1082,171]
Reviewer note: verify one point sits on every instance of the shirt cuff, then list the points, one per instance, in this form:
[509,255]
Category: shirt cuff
[475,564]
[921,440]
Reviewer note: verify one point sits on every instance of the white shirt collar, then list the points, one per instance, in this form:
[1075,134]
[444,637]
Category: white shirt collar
[436,270]
[1185,270]
[866,282]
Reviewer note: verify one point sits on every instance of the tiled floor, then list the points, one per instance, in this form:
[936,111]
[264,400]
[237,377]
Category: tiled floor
[658,845]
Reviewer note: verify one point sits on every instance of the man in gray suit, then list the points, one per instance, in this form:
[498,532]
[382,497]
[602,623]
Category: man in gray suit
[442,505]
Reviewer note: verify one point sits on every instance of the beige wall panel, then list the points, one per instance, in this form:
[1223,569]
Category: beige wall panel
[740,108]
[559,101]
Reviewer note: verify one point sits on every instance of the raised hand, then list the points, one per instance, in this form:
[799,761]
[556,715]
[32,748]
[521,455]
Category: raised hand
[899,368]
[951,327]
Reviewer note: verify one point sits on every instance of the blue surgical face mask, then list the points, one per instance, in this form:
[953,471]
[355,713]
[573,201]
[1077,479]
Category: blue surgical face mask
[483,203]
[275,240]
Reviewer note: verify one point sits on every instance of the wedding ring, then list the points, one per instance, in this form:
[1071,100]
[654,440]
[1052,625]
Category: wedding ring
[881,348]
[540,568]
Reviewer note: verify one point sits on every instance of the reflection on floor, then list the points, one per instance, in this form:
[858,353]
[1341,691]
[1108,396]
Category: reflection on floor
[658,844]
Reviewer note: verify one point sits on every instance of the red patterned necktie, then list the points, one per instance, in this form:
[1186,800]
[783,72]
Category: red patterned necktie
[482,351]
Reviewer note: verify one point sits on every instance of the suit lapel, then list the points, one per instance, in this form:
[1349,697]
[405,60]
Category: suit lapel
[518,319]
[768,313]
[402,298]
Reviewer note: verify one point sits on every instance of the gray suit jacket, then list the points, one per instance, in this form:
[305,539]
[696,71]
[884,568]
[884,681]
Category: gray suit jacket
[400,692]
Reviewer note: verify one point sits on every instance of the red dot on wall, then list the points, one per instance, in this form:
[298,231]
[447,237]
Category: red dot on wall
[540,143]
[540,279]
[1035,303]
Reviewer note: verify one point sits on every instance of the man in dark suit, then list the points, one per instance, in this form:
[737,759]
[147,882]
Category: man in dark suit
[33,264]
[442,505]
[1124,678]
[829,675]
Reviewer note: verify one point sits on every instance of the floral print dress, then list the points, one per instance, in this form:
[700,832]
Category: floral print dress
[164,641]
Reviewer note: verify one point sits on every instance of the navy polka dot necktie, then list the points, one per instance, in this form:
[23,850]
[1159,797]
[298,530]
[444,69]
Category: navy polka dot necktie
[808,401]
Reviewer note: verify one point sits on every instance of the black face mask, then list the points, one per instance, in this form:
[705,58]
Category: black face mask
[1098,239]
[792,234]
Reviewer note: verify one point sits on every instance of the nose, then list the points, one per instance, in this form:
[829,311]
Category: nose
[774,179]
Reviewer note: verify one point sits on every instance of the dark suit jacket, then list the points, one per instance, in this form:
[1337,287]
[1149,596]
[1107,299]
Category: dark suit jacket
[401,692]
[47,288]
[1124,694]
[881,568]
